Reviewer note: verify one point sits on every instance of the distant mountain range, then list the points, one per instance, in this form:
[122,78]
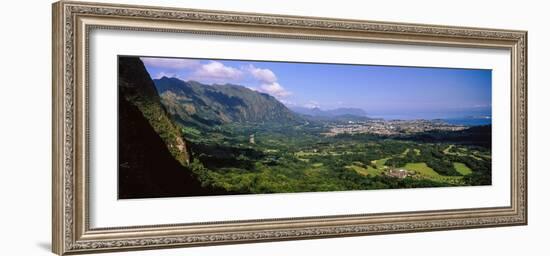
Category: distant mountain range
[191,102]
[317,112]
[338,114]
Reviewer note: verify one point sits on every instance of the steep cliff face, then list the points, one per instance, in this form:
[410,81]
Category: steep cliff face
[136,86]
[147,168]
[202,104]
[153,155]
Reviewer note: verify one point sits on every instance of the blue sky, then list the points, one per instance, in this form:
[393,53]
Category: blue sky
[382,91]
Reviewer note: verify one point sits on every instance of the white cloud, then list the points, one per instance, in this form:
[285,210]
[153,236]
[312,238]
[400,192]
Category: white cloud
[262,74]
[275,89]
[170,63]
[261,79]
[215,71]
[268,81]
[165,74]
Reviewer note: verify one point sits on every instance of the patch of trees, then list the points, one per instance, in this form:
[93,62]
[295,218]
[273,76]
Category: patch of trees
[357,181]
[477,135]
[215,156]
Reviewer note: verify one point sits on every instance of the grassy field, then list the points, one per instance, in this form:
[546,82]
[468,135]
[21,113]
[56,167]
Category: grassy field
[423,170]
[365,171]
[381,163]
[368,169]
[420,169]
[462,168]
[464,152]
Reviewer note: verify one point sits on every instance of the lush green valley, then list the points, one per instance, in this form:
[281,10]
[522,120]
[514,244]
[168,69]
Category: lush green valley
[298,159]
[184,138]
[248,142]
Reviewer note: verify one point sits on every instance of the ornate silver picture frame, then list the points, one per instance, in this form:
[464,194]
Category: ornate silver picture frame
[74,21]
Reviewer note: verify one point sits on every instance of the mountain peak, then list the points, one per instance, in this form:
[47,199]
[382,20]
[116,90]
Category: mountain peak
[168,78]
[201,104]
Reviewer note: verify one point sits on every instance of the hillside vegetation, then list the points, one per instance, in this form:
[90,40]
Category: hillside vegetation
[182,138]
[208,105]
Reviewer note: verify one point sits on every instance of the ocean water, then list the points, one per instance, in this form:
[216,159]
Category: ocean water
[473,120]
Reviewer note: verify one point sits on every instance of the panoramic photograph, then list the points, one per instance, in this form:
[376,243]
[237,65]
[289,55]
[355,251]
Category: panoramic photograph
[201,127]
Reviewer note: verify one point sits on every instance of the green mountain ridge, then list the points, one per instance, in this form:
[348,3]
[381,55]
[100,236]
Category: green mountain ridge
[191,102]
